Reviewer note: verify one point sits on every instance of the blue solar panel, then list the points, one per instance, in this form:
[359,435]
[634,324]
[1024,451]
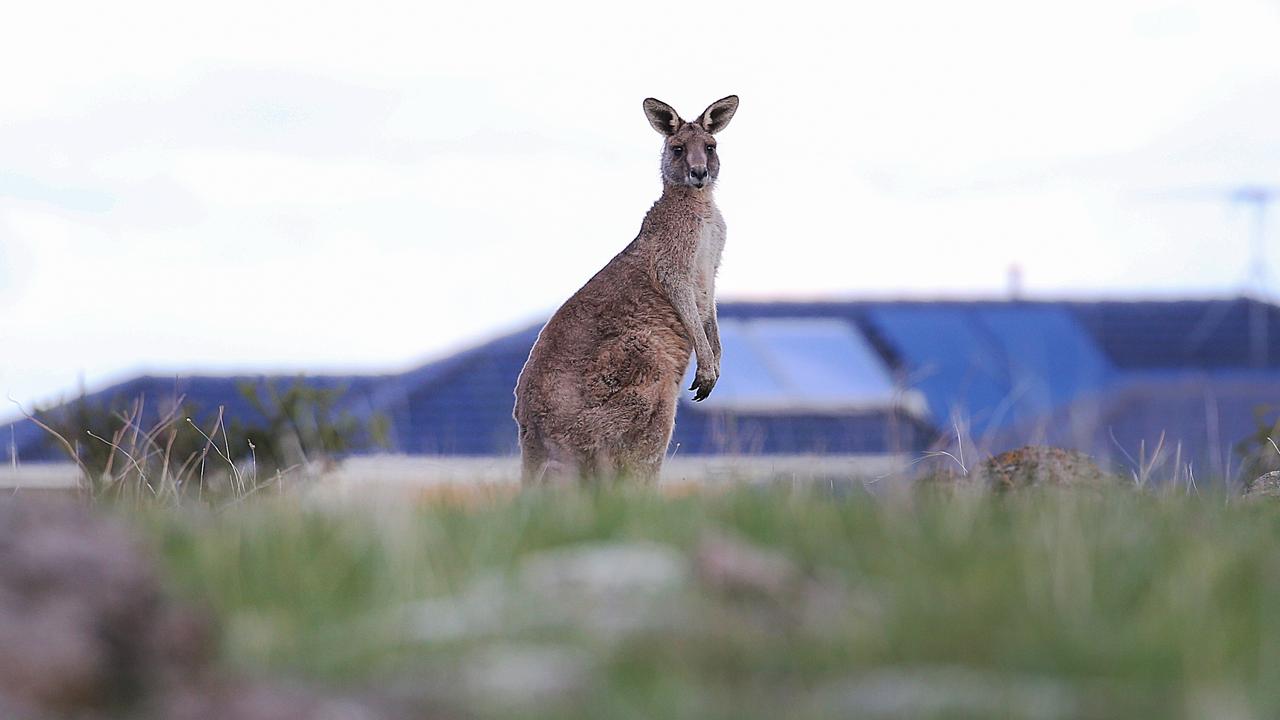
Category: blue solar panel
[1051,360]
[826,362]
[700,431]
[950,358]
[1209,334]
[747,376]
[797,364]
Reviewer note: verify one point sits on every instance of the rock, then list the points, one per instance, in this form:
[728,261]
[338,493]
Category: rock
[604,572]
[733,566]
[919,692]
[607,589]
[611,590]
[1042,466]
[258,701]
[1265,486]
[767,590]
[516,677]
[244,699]
[83,621]
[480,610]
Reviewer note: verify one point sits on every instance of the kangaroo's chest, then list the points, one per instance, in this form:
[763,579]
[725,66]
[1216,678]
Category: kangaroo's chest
[709,248]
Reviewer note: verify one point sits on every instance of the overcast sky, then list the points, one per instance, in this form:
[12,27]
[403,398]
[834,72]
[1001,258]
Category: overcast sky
[350,186]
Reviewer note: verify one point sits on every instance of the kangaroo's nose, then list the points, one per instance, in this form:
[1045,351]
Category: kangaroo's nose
[698,173]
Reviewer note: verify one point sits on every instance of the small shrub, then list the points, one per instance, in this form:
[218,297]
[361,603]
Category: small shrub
[1259,452]
[180,449]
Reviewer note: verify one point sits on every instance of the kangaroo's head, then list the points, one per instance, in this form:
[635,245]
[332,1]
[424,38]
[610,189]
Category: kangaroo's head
[689,156]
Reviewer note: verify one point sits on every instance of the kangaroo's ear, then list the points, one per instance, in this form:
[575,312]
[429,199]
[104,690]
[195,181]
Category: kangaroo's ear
[718,114]
[662,116]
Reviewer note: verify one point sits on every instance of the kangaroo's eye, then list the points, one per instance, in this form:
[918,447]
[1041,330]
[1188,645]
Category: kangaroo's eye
[677,149]
[711,148]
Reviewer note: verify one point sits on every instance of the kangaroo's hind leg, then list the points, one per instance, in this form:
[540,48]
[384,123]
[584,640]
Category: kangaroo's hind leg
[645,447]
[533,457]
[544,462]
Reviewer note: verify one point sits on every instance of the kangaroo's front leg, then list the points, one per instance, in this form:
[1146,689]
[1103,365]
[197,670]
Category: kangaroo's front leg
[707,313]
[712,327]
[708,354]
[684,299]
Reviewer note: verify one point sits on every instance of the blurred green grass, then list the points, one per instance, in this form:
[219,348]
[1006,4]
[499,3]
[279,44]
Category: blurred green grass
[938,603]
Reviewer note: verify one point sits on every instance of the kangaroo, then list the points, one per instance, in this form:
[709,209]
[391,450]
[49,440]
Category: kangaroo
[597,397]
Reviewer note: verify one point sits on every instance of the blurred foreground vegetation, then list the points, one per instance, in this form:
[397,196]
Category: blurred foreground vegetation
[755,603]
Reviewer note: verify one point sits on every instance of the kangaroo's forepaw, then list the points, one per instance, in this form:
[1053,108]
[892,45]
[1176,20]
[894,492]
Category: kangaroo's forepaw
[702,384]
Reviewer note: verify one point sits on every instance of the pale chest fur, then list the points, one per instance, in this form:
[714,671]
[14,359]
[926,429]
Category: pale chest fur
[709,248]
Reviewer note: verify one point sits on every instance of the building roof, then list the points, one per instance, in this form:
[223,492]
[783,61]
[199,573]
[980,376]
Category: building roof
[859,376]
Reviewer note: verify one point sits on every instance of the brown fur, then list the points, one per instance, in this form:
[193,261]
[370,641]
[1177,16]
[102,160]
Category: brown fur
[598,395]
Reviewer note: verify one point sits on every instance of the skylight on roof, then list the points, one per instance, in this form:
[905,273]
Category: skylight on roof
[800,365]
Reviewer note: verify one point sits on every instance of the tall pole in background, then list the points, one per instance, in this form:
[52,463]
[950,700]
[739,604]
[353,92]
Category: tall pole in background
[1257,283]
[1256,200]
